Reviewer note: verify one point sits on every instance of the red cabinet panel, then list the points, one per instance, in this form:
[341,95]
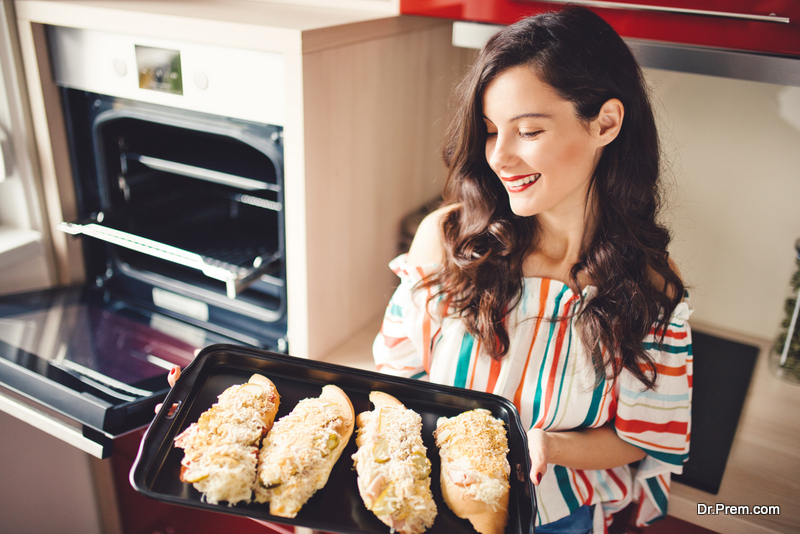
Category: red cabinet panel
[727,26]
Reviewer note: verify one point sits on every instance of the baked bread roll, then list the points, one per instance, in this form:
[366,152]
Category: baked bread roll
[393,469]
[221,448]
[473,448]
[298,454]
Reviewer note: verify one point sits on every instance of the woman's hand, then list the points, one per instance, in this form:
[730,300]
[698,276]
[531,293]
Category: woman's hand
[539,449]
[172,377]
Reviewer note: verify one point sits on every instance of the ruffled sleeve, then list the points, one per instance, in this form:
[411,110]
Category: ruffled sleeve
[659,420]
[403,346]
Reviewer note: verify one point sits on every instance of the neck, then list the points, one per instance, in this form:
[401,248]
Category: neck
[560,240]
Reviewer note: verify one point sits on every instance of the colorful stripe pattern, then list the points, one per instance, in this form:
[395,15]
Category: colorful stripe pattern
[549,378]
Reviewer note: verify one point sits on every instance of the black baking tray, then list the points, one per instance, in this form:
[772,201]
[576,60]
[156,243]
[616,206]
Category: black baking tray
[337,507]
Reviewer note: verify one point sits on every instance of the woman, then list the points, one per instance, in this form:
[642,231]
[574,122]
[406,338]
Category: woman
[545,278]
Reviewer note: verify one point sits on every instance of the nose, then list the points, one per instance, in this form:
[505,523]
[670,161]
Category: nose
[499,153]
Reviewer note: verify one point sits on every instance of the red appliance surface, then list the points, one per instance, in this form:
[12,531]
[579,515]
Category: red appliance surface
[708,31]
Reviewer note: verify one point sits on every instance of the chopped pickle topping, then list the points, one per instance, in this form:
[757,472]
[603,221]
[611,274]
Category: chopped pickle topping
[380,451]
[333,441]
[192,478]
[422,464]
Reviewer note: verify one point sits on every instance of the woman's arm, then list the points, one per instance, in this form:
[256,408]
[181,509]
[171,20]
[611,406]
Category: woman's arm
[589,448]
[401,347]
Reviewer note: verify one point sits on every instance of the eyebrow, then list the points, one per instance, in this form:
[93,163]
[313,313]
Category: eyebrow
[532,116]
[526,116]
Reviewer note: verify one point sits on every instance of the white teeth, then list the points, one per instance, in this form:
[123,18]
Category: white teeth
[523,181]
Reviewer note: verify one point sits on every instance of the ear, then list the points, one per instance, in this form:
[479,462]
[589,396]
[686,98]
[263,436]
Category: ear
[609,121]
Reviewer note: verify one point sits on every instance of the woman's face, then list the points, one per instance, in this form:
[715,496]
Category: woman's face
[536,144]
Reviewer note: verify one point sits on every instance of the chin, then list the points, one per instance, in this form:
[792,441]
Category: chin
[523,209]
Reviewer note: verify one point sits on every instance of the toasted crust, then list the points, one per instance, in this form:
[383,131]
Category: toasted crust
[269,415]
[484,518]
[474,475]
[221,447]
[392,466]
[298,456]
[381,399]
[335,394]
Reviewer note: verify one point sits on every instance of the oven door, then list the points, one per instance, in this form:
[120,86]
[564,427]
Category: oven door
[87,367]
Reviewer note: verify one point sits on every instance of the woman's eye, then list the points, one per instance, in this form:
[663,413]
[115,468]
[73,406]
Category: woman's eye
[491,134]
[529,135]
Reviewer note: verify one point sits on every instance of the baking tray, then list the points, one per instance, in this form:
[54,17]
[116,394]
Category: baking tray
[338,506]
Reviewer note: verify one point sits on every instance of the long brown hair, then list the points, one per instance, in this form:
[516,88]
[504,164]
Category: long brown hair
[481,280]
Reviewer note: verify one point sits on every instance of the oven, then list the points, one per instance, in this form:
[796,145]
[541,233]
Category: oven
[176,153]
[182,213]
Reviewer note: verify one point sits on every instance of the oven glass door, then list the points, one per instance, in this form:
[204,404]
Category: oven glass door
[95,362]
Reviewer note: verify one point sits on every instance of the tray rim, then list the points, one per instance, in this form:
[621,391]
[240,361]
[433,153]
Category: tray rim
[143,461]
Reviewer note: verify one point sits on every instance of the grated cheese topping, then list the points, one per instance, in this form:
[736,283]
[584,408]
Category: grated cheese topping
[474,444]
[394,470]
[220,449]
[295,458]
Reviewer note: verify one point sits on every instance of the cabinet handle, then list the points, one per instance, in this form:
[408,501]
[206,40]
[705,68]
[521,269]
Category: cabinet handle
[667,9]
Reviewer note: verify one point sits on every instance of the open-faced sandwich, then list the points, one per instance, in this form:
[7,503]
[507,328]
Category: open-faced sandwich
[473,448]
[392,465]
[298,454]
[221,448]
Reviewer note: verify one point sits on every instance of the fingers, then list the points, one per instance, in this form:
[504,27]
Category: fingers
[539,450]
[174,375]
[171,408]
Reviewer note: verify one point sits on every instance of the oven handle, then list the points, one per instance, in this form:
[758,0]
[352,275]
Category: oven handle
[235,283]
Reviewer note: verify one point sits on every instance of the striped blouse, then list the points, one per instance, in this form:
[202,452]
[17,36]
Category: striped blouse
[549,378]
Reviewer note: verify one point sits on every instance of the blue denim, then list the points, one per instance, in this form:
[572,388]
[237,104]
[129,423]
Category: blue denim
[578,522]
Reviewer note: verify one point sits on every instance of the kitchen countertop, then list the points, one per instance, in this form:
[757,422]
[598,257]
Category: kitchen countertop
[764,463]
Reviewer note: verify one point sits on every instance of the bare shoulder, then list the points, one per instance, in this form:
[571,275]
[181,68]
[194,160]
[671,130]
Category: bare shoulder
[674,267]
[658,280]
[427,246]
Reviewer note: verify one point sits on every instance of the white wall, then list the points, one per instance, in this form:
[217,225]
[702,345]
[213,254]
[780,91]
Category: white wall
[735,199]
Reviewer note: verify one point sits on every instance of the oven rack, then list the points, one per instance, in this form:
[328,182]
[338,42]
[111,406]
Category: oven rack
[235,277]
[201,173]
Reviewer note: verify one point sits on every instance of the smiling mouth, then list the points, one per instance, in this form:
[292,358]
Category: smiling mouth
[518,183]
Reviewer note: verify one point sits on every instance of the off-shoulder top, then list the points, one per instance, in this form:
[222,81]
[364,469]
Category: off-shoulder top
[549,377]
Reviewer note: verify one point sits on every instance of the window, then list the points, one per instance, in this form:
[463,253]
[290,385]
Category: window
[23,258]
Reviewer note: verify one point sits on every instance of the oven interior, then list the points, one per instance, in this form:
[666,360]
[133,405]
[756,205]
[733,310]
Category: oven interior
[182,203]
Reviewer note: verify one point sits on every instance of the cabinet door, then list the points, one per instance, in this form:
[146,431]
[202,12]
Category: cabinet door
[767,26]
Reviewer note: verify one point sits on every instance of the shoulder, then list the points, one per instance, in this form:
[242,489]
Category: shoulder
[427,246]
[658,280]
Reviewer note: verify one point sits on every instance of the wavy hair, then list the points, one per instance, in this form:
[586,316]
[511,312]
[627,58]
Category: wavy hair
[480,279]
